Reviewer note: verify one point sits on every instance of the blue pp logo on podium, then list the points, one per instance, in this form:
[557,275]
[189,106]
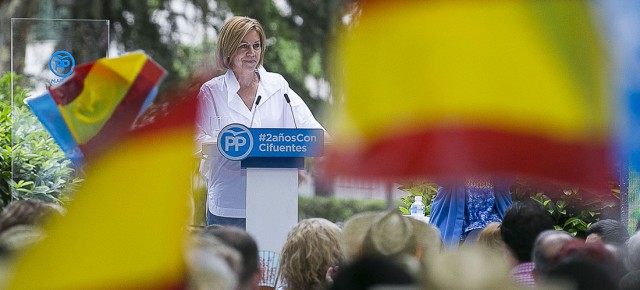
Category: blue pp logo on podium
[237,142]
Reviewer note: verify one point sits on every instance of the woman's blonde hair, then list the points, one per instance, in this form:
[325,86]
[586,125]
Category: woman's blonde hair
[312,246]
[231,34]
[490,236]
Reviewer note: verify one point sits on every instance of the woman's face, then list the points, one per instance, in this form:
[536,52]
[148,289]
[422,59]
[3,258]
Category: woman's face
[248,53]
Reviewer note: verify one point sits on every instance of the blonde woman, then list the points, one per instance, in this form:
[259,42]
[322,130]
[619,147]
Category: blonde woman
[312,247]
[247,94]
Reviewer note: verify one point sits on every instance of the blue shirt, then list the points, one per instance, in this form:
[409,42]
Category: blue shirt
[449,208]
[480,205]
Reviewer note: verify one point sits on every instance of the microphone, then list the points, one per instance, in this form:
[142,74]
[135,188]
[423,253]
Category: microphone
[255,108]
[286,97]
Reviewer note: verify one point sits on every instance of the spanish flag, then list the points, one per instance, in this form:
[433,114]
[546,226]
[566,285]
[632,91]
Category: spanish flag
[467,88]
[126,227]
[99,101]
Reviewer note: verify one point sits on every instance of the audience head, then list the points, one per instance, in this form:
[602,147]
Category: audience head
[470,268]
[607,231]
[520,226]
[490,236]
[21,223]
[30,212]
[353,232]
[632,260]
[630,281]
[584,265]
[369,271]
[546,247]
[393,235]
[211,264]
[312,246]
[428,241]
[246,246]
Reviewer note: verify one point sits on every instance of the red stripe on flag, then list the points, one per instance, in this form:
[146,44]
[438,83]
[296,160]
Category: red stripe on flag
[127,111]
[459,152]
[73,86]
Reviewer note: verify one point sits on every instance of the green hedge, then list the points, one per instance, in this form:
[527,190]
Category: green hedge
[334,209]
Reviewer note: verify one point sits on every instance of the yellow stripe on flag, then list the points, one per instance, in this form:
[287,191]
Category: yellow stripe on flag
[125,229]
[530,67]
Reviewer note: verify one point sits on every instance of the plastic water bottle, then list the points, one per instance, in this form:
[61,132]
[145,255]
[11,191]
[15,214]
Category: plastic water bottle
[417,207]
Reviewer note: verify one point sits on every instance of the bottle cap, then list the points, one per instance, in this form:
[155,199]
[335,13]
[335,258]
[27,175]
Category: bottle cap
[418,198]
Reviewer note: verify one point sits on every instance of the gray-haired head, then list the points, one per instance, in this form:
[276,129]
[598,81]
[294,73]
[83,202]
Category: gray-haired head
[546,246]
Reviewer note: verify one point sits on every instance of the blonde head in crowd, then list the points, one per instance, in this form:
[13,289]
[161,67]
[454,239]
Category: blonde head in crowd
[312,246]
[490,236]
[231,34]
[469,268]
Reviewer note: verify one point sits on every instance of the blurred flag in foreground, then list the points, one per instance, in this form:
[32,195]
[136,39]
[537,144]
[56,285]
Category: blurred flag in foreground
[99,101]
[454,88]
[125,229]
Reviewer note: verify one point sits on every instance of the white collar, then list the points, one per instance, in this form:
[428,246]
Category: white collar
[268,86]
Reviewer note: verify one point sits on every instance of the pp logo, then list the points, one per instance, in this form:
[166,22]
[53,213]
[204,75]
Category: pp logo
[235,141]
[61,63]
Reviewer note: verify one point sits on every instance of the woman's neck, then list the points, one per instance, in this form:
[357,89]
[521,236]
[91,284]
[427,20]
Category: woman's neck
[245,78]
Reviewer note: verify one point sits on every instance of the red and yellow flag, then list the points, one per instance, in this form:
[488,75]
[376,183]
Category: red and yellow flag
[98,103]
[453,88]
[126,227]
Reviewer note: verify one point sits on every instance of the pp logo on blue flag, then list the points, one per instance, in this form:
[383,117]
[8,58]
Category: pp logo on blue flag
[235,142]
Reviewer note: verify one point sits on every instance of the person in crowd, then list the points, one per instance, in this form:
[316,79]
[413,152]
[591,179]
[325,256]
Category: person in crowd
[211,264]
[246,94]
[373,271]
[490,238]
[630,281]
[31,212]
[545,248]
[607,231]
[354,230]
[407,241]
[632,263]
[428,242]
[632,260]
[311,249]
[21,223]
[461,210]
[471,268]
[522,224]
[246,246]
[585,266]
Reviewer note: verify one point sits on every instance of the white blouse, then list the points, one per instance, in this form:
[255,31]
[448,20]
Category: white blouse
[226,182]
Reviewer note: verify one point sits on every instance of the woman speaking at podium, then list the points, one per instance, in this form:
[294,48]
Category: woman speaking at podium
[245,94]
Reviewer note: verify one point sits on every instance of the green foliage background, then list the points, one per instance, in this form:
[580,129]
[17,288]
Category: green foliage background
[571,209]
[40,169]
